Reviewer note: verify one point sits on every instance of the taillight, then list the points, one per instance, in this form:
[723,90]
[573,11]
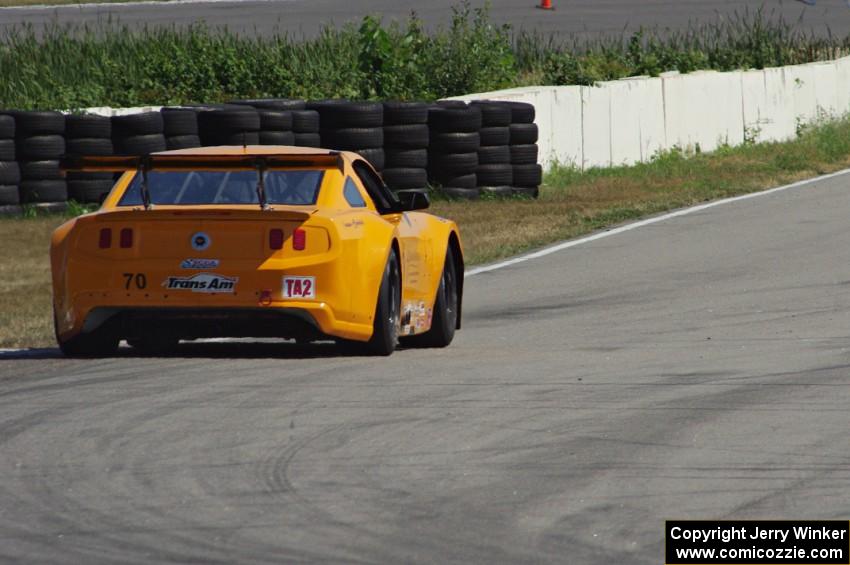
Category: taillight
[299,239]
[276,239]
[105,240]
[126,238]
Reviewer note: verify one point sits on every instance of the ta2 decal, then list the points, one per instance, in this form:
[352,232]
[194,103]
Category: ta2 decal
[299,287]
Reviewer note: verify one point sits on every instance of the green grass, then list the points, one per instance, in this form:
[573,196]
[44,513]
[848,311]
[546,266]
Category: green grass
[571,203]
[112,65]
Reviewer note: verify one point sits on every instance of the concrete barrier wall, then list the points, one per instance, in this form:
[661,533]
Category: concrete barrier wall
[627,121]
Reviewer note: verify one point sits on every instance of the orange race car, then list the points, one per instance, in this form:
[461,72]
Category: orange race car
[261,241]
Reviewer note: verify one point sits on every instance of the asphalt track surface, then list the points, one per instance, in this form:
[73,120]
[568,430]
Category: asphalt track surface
[696,367]
[571,17]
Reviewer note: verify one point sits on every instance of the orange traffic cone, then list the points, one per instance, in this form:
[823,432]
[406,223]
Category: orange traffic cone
[546,5]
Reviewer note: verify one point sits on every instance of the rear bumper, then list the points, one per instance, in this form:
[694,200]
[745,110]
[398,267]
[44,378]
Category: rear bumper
[304,320]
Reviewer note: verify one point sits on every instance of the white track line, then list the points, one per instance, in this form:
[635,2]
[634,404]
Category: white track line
[642,223]
[120,5]
[588,239]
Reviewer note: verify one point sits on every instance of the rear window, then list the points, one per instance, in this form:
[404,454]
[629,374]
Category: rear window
[225,187]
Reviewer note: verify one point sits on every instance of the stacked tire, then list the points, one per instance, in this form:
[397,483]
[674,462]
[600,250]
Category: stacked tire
[305,128]
[229,125]
[39,145]
[494,173]
[10,172]
[138,134]
[88,135]
[406,146]
[180,127]
[352,126]
[454,142]
[527,173]
[275,119]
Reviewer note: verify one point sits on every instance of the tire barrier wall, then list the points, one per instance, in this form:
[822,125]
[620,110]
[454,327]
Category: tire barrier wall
[630,120]
[463,149]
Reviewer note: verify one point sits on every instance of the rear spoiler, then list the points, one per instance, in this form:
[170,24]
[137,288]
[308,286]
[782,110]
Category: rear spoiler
[121,163]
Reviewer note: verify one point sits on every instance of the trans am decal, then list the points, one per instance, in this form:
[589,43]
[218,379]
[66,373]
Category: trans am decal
[202,282]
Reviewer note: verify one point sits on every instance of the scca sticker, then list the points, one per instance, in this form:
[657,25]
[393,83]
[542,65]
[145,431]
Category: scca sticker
[202,282]
[299,287]
[199,264]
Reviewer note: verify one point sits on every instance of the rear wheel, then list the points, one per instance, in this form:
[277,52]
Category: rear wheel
[387,311]
[444,321]
[99,343]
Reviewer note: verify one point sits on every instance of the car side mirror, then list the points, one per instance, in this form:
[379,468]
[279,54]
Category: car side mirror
[413,200]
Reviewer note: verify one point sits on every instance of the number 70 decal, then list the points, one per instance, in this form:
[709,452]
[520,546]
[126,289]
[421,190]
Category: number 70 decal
[299,287]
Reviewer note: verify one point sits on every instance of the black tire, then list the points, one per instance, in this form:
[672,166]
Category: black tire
[308,140]
[89,146]
[455,193]
[495,175]
[39,170]
[446,306]
[493,113]
[132,125]
[43,191]
[271,103]
[7,126]
[97,344]
[40,147]
[402,179]
[466,119]
[91,176]
[353,138]
[213,123]
[521,112]
[454,142]
[495,136]
[524,154]
[140,144]
[9,195]
[182,142]
[497,191]
[462,181]
[405,113]
[7,149]
[231,138]
[406,158]
[277,138]
[412,136]
[387,321]
[89,191]
[275,120]
[526,191]
[179,122]
[523,134]
[459,163]
[527,175]
[87,126]
[10,173]
[494,155]
[348,115]
[31,123]
[305,121]
[375,157]
[457,104]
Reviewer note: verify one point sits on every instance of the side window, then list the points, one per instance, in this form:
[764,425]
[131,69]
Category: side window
[384,200]
[352,195]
